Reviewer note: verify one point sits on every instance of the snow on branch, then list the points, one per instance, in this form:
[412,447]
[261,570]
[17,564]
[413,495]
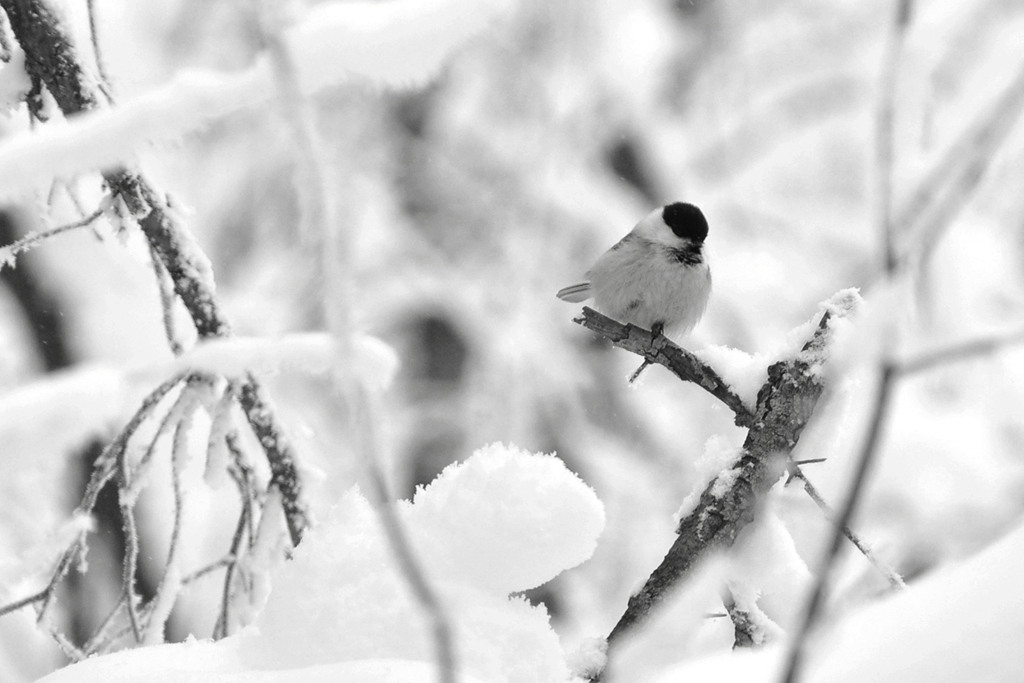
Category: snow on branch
[9,254]
[52,60]
[399,43]
[785,403]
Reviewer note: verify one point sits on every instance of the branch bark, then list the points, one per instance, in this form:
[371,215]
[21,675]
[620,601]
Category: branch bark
[785,403]
[50,58]
[657,348]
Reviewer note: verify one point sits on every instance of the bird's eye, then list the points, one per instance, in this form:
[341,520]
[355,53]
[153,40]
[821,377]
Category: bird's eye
[686,221]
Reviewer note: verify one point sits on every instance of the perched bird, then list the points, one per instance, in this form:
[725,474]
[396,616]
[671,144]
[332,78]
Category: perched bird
[655,277]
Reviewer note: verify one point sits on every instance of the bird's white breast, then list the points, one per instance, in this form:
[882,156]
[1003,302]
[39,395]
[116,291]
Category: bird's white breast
[640,283]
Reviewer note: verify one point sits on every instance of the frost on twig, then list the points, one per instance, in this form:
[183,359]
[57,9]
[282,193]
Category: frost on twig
[9,253]
[51,59]
[785,403]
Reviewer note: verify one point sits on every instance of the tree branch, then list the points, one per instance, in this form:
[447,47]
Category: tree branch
[657,348]
[890,574]
[865,460]
[784,405]
[51,59]
[943,192]
[958,352]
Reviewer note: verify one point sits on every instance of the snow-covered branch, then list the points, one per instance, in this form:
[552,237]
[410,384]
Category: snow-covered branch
[52,60]
[785,403]
[399,43]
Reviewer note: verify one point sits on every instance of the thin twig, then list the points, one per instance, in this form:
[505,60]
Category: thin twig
[865,460]
[884,132]
[28,242]
[408,563]
[51,59]
[67,647]
[942,193]
[886,382]
[890,574]
[657,348]
[101,636]
[105,82]
[244,529]
[170,581]
[131,558]
[167,299]
[247,481]
[136,479]
[958,352]
[131,485]
[222,628]
[23,602]
[197,574]
[103,469]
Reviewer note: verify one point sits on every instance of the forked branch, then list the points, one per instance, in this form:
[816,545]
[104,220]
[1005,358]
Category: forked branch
[785,403]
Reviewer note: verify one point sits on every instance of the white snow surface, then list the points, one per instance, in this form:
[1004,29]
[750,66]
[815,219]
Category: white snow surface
[745,373]
[306,352]
[399,43]
[960,624]
[502,521]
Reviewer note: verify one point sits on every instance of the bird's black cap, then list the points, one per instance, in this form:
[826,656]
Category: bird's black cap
[686,221]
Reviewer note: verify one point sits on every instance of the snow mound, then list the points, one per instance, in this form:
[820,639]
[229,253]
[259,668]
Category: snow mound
[504,520]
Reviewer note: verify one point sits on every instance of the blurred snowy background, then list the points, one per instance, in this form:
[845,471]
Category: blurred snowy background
[471,201]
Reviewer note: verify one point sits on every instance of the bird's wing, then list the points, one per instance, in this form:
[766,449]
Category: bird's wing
[575,293]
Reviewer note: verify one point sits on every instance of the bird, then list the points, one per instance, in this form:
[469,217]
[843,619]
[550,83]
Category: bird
[656,277]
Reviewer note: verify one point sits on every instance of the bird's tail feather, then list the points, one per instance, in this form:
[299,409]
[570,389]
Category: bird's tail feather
[575,293]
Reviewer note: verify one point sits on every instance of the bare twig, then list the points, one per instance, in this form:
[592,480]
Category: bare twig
[890,574]
[131,556]
[28,242]
[865,460]
[891,261]
[197,574]
[958,352]
[942,193]
[663,351]
[170,579]
[101,637]
[24,602]
[67,647]
[103,469]
[244,529]
[105,83]
[884,138]
[166,289]
[319,219]
[51,59]
[408,562]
